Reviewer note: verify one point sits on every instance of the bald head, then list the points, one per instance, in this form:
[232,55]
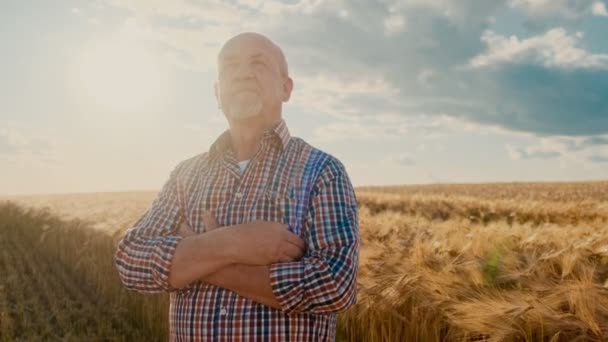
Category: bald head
[264,42]
[253,79]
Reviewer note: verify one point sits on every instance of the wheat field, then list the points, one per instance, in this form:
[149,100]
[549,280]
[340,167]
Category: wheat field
[459,262]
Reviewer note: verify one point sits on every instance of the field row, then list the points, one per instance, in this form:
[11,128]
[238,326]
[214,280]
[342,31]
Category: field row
[528,203]
[431,268]
[456,280]
[596,191]
[40,299]
[441,208]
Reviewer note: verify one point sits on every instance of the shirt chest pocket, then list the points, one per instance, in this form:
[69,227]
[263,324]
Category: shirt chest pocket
[215,203]
[282,207]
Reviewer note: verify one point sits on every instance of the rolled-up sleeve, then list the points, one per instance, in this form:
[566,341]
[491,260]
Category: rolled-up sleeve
[324,280]
[143,256]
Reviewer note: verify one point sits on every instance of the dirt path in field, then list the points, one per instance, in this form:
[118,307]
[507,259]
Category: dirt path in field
[39,300]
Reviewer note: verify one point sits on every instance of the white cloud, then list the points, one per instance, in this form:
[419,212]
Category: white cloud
[564,8]
[211,11]
[599,8]
[359,130]
[343,14]
[391,126]
[394,24]
[555,48]
[329,94]
[193,47]
[426,77]
[460,12]
[251,3]
[305,7]
[186,48]
[18,144]
[345,64]
[402,159]
[574,149]
[531,152]
[599,158]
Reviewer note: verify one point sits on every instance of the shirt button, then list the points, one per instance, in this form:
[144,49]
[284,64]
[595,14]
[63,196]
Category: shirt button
[223,311]
[238,195]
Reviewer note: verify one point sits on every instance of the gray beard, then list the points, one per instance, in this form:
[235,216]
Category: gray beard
[246,108]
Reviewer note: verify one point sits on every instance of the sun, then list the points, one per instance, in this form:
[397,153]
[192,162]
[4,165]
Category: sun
[121,75]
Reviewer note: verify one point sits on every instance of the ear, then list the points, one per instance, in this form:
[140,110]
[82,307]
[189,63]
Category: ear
[287,88]
[216,91]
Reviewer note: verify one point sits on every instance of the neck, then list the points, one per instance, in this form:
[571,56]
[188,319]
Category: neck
[247,134]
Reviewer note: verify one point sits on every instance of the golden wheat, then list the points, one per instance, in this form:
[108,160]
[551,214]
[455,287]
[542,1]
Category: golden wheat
[495,262]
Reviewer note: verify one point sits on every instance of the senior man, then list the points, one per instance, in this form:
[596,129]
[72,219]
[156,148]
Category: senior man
[256,239]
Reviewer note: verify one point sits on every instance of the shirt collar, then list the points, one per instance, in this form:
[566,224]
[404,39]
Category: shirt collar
[279,132]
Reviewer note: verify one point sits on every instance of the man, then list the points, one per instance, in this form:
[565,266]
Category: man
[256,239]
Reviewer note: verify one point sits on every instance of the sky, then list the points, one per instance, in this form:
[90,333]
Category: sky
[111,95]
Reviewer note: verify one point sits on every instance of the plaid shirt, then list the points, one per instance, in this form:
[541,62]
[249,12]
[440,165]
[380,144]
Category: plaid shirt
[286,181]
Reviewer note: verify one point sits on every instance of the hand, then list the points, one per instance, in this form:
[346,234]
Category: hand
[264,243]
[211,223]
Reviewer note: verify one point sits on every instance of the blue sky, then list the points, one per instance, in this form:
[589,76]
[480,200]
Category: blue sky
[111,95]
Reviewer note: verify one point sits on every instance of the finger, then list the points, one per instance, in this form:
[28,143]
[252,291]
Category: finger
[285,258]
[184,225]
[295,240]
[293,251]
[185,232]
[184,229]
[214,221]
[210,221]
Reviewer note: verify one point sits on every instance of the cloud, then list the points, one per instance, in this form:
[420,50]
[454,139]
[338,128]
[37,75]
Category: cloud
[187,48]
[394,24]
[404,160]
[597,158]
[358,130]
[553,86]
[535,99]
[438,58]
[596,140]
[401,159]
[342,98]
[7,145]
[564,8]
[599,8]
[211,11]
[386,126]
[554,49]
[18,144]
[533,152]
[572,148]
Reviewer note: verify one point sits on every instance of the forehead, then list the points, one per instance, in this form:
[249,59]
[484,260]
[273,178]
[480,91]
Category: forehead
[247,47]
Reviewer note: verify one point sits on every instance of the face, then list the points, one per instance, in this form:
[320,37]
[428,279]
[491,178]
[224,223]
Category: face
[250,82]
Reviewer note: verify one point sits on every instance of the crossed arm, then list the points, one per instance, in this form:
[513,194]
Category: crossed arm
[321,281]
[250,281]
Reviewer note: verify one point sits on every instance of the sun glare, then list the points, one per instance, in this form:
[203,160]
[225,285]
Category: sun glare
[121,75]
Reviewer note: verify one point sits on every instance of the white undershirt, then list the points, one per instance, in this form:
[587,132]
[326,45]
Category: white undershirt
[243,165]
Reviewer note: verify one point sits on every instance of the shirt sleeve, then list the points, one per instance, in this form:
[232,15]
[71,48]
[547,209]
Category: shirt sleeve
[324,280]
[144,254]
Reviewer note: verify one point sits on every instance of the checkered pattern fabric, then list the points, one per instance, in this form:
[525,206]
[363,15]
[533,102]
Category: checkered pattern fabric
[288,181]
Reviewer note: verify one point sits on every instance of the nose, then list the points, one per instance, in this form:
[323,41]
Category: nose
[244,71]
